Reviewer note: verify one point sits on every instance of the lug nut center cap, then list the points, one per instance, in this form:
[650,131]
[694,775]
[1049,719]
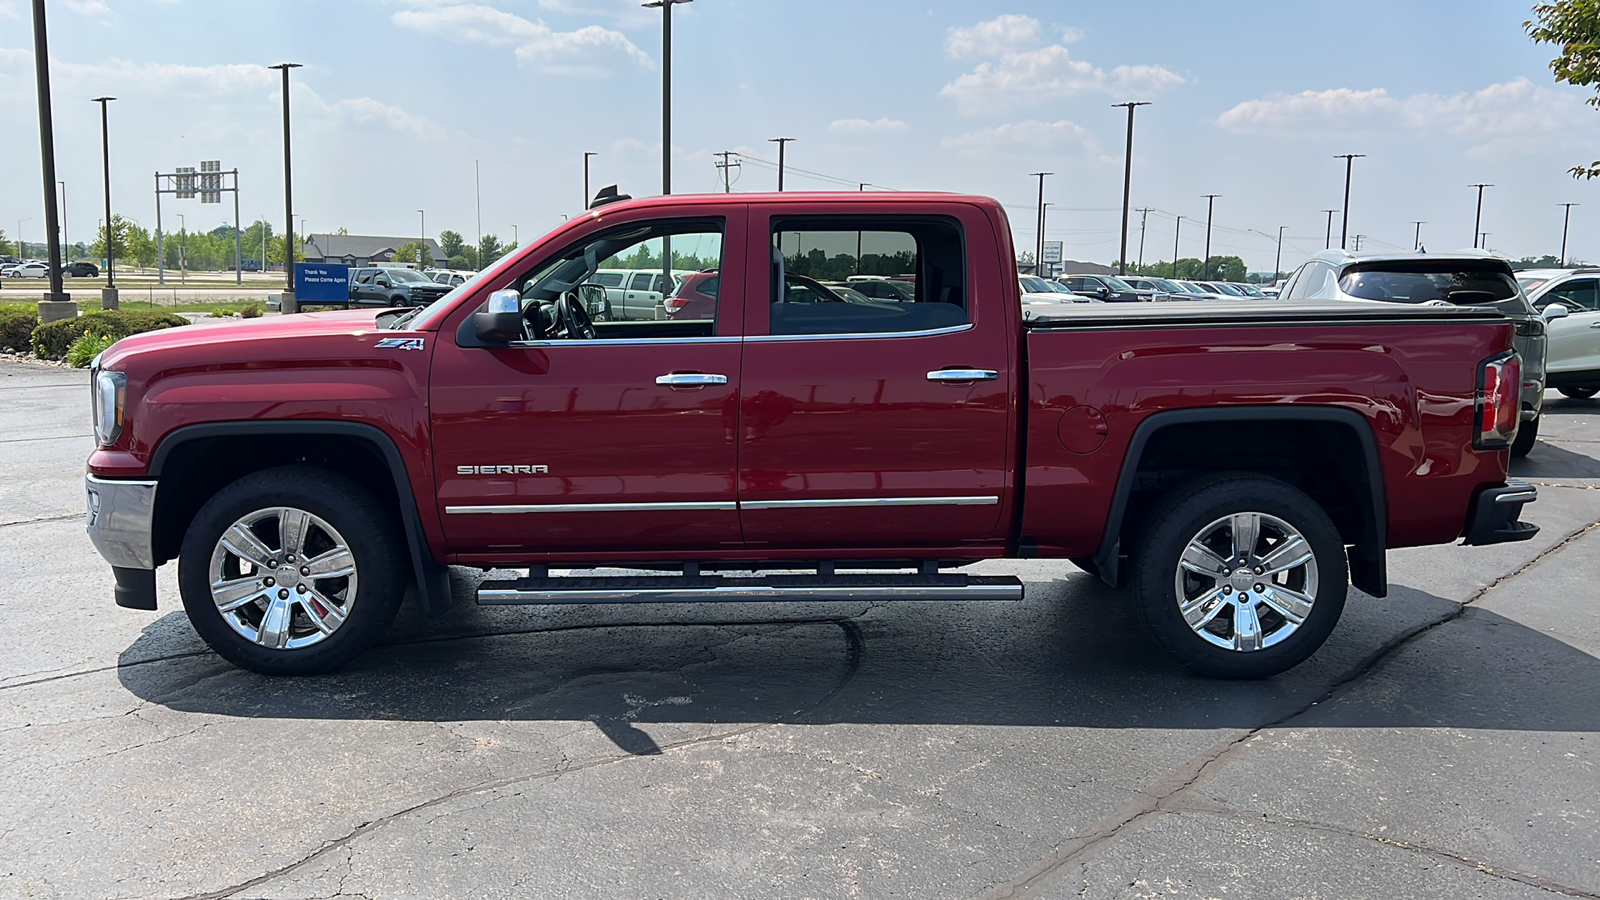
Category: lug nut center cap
[1243,579]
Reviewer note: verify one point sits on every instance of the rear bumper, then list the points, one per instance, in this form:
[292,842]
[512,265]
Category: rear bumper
[1494,517]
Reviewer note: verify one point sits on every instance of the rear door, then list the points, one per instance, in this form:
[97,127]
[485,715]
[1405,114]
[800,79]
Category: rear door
[876,425]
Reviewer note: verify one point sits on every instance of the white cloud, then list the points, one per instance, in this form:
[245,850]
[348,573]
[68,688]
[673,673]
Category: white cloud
[1018,135]
[88,7]
[1025,73]
[998,35]
[865,126]
[538,46]
[1340,105]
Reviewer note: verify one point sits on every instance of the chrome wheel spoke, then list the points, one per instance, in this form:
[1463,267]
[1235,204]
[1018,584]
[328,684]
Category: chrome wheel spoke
[328,618]
[1246,627]
[1246,530]
[1202,560]
[1201,610]
[1292,552]
[274,629]
[332,564]
[292,527]
[1291,604]
[232,594]
[243,543]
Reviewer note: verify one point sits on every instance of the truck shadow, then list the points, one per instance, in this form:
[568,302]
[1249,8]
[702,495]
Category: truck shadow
[1070,655]
[1550,460]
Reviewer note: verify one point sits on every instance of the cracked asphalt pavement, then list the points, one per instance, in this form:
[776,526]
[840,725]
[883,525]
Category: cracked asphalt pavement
[1444,743]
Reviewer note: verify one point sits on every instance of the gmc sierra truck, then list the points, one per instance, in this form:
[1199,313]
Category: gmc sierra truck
[1233,465]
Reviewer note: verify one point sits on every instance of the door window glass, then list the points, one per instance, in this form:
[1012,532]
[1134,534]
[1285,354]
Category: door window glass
[925,255]
[1574,295]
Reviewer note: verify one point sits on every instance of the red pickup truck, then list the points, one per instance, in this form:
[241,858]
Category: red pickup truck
[1234,465]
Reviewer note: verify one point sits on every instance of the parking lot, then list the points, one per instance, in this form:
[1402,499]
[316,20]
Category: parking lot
[1444,743]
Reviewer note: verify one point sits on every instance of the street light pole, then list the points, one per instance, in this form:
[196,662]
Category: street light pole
[1038,250]
[666,89]
[1127,185]
[288,197]
[586,155]
[1565,221]
[65,243]
[1478,220]
[422,242]
[1327,242]
[47,154]
[1176,230]
[1416,243]
[108,297]
[1205,265]
[183,250]
[781,142]
[1349,164]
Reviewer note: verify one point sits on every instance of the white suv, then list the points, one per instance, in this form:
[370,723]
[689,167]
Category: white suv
[1569,300]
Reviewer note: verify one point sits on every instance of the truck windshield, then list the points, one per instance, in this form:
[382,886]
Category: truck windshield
[1422,281]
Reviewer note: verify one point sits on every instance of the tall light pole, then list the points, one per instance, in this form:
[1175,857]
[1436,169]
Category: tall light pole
[422,220]
[1176,229]
[516,237]
[1416,243]
[1565,221]
[586,155]
[1277,263]
[1127,185]
[1205,265]
[108,296]
[65,243]
[21,253]
[1478,220]
[1327,242]
[781,142]
[1038,249]
[288,196]
[1349,165]
[666,89]
[47,154]
[1144,217]
[183,250]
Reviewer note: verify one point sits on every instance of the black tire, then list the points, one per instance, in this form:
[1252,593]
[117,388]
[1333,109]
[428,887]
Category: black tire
[1527,436]
[1579,393]
[359,606]
[1188,515]
[1086,563]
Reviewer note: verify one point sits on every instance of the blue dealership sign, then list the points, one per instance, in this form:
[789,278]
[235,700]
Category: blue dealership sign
[321,283]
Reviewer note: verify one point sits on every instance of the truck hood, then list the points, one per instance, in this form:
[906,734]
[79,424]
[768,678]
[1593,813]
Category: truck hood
[253,341]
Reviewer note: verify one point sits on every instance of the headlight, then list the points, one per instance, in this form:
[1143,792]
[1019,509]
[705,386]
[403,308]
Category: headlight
[109,392]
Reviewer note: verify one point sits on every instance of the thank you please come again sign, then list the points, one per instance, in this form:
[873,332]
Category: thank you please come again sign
[321,283]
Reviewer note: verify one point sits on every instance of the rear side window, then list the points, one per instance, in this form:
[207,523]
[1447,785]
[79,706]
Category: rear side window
[1423,281]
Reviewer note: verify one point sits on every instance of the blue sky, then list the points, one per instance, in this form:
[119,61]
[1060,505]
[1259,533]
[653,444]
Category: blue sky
[398,98]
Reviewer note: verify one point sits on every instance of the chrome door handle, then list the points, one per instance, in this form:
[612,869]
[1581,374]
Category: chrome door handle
[690,379]
[963,375]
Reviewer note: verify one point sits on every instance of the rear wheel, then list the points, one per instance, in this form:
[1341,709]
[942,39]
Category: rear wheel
[1527,435]
[1240,576]
[1579,393]
[291,571]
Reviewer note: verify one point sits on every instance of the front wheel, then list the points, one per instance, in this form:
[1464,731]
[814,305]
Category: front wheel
[1579,393]
[1240,576]
[291,571]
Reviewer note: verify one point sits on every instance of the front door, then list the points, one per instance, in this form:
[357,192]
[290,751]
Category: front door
[1574,339]
[874,424]
[614,443]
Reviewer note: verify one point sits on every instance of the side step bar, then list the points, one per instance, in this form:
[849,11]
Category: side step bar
[715,588]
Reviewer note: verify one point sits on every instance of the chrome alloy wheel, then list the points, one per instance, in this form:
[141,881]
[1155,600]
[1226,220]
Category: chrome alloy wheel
[283,578]
[1246,581]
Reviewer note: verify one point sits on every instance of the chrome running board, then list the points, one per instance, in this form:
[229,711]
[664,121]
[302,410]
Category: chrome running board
[700,588]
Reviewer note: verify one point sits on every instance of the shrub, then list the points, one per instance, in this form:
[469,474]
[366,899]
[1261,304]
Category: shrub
[52,339]
[250,311]
[16,327]
[219,314]
[86,348]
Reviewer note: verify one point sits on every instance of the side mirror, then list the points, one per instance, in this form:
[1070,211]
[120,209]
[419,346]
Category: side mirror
[1104,291]
[501,323]
[1553,311]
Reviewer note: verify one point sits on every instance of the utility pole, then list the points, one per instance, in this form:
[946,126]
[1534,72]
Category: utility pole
[1357,247]
[1349,164]
[1038,249]
[666,95]
[1327,242]
[1277,263]
[1144,216]
[1565,221]
[1205,266]
[288,304]
[1484,239]
[727,186]
[1127,185]
[1478,221]
[781,142]
[108,296]
[586,195]
[1175,231]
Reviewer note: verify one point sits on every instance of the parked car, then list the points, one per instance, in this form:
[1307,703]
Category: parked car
[29,270]
[450,278]
[1249,290]
[1236,468]
[1109,288]
[391,286]
[80,269]
[1569,302]
[1197,292]
[880,287]
[1472,278]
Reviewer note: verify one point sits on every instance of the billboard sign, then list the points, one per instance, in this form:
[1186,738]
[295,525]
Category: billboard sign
[321,283]
[1052,252]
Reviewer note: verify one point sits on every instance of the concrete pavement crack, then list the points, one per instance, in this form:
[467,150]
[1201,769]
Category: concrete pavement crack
[64,518]
[1148,803]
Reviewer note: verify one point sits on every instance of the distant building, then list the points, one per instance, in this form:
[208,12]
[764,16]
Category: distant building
[362,249]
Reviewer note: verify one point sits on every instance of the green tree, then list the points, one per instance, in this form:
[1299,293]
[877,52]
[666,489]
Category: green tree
[1574,26]
[5,245]
[119,239]
[415,251]
[489,250]
[451,243]
[275,251]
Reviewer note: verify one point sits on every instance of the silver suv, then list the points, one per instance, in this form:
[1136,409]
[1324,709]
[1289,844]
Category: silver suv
[1461,278]
[1569,301]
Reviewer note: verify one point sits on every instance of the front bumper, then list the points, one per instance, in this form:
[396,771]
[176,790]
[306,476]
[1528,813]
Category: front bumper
[1494,515]
[120,519]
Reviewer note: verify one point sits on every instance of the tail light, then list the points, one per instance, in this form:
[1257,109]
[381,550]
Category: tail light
[1497,410]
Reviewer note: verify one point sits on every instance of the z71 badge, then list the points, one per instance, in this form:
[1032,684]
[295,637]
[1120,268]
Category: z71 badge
[401,344]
